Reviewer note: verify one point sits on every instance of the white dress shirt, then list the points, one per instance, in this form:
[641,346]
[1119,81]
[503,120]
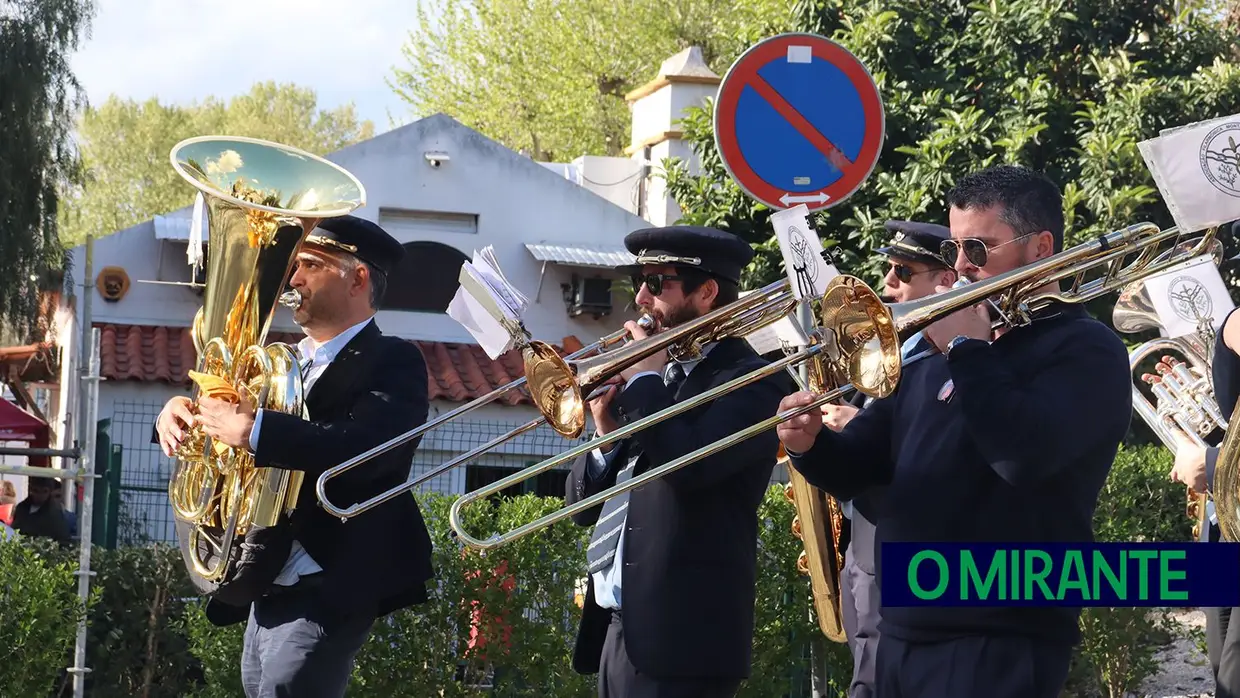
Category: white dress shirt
[320,355]
[607,581]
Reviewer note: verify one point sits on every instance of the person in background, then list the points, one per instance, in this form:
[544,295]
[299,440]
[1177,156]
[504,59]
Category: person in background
[40,513]
[915,268]
[1194,467]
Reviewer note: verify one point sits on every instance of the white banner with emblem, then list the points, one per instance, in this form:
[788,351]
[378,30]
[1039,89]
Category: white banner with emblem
[1197,170]
[1187,293]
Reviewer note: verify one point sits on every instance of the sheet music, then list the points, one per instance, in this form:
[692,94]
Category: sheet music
[487,305]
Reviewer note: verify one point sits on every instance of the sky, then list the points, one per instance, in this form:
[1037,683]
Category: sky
[184,50]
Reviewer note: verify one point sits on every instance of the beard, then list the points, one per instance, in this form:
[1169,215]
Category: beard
[676,316]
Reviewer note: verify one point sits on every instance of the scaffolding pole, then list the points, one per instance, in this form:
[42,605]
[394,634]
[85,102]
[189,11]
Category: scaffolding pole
[86,467]
[82,473]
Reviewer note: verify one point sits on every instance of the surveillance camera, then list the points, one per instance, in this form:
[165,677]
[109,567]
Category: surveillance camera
[435,159]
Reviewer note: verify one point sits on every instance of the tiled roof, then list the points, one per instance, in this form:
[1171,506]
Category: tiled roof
[458,372]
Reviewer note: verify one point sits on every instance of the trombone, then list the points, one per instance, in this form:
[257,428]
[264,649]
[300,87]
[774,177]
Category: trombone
[646,322]
[858,342]
[560,387]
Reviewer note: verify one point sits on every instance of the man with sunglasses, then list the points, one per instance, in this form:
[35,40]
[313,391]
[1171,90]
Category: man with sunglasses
[978,444]
[914,270]
[679,552]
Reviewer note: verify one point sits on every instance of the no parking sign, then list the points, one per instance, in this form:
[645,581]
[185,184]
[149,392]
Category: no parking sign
[799,120]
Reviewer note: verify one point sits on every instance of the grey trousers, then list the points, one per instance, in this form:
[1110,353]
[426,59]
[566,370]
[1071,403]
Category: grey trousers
[1223,644]
[861,601]
[292,650]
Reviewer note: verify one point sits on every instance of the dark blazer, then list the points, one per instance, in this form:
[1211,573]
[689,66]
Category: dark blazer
[690,546]
[861,528]
[378,561]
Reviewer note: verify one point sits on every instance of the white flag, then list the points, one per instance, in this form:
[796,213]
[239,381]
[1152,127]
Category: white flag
[807,269]
[1197,169]
[1187,293]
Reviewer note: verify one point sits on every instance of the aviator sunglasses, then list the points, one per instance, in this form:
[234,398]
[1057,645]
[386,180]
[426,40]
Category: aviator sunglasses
[975,250]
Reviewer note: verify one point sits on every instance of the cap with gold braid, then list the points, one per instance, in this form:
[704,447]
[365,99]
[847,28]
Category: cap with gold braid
[361,238]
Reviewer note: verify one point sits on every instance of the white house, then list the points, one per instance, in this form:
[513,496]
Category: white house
[444,191]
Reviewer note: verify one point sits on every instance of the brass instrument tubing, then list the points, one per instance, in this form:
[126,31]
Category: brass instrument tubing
[454,514]
[320,486]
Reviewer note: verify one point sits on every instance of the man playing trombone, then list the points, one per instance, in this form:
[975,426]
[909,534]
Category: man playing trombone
[978,444]
[680,552]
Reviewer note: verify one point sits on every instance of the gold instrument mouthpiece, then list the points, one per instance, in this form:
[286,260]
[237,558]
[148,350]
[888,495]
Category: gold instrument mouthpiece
[646,322]
[291,299]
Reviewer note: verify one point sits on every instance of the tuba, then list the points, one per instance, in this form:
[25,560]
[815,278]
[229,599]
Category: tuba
[261,201]
[1178,391]
[819,514]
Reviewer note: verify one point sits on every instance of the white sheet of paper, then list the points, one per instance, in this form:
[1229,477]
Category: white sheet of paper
[774,336]
[1187,291]
[807,271]
[491,335]
[1197,170]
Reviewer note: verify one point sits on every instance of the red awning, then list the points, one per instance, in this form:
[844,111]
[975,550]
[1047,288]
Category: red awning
[19,425]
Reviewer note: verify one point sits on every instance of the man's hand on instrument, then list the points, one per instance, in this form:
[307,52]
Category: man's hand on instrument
[226,422]
[173,423]
[1190,463]
[655,362]
[836,417]
[600,407]
[972,321]
[798,434]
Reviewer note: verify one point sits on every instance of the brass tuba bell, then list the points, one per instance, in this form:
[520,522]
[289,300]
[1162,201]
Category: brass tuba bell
[261,199]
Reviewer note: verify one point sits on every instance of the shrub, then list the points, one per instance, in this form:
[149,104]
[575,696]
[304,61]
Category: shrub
[39,615]
[144,640]
[1138,503]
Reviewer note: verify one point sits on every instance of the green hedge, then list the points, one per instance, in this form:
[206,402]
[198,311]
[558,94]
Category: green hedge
[146,641]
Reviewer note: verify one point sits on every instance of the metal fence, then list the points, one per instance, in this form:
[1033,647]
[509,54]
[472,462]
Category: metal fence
[145,515]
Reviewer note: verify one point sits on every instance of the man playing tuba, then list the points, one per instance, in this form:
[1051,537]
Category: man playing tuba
[330,580]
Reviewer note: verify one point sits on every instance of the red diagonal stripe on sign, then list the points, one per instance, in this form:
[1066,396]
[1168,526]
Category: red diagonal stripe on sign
[800,123]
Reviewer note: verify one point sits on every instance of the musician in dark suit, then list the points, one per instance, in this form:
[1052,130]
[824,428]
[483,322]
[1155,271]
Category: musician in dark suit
[1194,467]
[364,388]
[976,445]
[669,608]
[914,268]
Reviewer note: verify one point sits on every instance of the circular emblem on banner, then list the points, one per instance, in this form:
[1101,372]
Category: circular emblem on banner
[1189,298]
[1220,158]
[803,258]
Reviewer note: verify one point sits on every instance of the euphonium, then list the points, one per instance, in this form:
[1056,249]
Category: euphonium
[261,199]
[1180,383]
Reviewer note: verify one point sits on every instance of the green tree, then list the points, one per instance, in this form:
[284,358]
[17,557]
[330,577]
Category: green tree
[549,77]
[1067,88]
[125,146]
[38,97]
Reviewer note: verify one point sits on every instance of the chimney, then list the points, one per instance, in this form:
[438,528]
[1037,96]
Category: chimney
[684,81]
